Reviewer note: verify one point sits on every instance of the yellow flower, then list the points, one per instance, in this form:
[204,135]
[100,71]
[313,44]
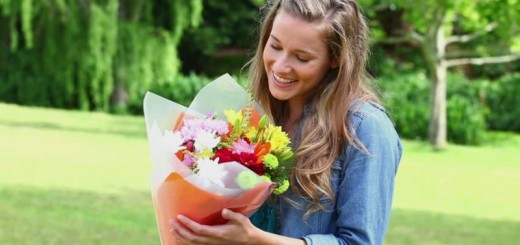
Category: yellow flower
[278,139]
[251,132]
[233,116]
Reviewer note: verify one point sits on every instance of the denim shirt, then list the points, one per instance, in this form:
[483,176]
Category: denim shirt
[363,184]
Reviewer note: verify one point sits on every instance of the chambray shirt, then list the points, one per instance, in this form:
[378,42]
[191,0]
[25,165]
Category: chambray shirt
[363,184]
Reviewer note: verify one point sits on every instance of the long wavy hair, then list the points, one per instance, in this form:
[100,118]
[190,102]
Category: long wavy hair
[326,131]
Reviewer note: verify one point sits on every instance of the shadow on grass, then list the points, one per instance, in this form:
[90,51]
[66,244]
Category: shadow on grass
[39,216]
[420,227]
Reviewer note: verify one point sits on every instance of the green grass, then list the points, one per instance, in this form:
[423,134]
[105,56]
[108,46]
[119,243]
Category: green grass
[463,195]
[81,178]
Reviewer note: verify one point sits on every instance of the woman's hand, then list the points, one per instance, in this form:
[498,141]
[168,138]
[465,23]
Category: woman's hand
[238,230]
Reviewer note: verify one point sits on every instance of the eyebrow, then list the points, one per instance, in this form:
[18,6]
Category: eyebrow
[297,50]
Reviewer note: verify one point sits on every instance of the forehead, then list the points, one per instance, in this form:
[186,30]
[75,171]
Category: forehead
[291,30]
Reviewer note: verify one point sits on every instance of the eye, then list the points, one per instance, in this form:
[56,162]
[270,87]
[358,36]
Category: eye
[303,60]
[275,47]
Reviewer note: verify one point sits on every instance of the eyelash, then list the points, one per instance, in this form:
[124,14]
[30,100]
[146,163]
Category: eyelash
[275,47]
[298,58]
[302,60]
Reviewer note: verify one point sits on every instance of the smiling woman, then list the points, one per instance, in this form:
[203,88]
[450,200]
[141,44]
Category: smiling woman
[309,76]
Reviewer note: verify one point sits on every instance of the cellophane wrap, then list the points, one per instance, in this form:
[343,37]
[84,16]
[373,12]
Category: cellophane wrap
[175,188]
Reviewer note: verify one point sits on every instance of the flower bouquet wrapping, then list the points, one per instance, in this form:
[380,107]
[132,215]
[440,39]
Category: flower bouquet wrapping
[218,153]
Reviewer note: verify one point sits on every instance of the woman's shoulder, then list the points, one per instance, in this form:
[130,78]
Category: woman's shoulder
[373,128]
[363,112]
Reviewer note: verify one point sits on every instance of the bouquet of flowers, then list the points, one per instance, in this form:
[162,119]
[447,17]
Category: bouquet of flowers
[218,153]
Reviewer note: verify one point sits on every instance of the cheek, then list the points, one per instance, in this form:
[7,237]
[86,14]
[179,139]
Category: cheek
[268,57]
[313,76]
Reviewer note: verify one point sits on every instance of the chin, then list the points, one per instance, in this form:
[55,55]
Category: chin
[278,94]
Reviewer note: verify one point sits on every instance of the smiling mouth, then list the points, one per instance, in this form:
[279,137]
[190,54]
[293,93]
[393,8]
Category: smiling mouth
[283,80]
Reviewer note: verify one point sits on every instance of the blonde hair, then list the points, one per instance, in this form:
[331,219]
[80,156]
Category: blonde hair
[326,131]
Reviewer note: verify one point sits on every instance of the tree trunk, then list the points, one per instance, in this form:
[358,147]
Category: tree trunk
[437,131]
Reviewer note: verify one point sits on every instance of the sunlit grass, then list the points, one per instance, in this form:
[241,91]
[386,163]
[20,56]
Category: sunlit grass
[475,181]
[81,178]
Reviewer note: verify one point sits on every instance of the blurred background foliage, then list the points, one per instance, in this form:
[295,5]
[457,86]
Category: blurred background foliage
[103,55]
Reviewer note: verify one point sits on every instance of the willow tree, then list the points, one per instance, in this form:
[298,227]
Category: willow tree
[438,26]
[89,54]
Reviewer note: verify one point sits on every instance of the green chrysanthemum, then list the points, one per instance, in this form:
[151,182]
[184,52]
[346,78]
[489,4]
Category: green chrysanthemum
[282,188]
[271,161]
[247,180]
[266,177]
[206,153]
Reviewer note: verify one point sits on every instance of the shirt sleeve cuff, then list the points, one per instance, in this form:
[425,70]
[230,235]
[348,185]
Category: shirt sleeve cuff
[316,239]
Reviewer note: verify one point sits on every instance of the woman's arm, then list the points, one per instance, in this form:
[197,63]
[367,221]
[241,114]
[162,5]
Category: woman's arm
[238,230]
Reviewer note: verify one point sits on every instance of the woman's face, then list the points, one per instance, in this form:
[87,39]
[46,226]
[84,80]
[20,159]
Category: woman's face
[296,58]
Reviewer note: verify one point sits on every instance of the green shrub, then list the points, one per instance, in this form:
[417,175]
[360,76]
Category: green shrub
[502,98]
[466,113]
[466,121]
[407,98]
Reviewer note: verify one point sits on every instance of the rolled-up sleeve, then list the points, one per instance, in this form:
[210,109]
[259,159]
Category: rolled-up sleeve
[365,191]
[321,239]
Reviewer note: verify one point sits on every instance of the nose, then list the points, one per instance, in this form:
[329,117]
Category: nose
[281,65]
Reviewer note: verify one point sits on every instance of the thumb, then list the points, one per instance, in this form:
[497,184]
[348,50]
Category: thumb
[230,215]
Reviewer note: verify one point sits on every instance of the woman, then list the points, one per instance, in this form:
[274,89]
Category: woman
[309,75]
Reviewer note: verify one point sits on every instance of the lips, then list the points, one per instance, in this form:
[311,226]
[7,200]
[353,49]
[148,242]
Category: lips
[283,80]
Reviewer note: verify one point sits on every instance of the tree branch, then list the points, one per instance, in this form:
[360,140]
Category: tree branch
[484,60]
[469,37]
[409,37]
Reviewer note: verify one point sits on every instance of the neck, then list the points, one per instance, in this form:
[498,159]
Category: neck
[294,113]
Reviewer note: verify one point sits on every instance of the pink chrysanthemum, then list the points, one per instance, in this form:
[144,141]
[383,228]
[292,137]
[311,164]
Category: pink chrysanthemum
[242,146]
[189,160]
[192,126]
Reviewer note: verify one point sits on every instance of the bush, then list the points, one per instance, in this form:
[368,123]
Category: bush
[501,96]
[407,98]
[466,113]
[182,90]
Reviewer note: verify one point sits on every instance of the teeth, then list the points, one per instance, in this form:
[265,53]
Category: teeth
[283,80]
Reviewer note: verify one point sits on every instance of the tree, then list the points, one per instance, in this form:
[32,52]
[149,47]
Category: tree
[89,54]
[221,42]
[435,27]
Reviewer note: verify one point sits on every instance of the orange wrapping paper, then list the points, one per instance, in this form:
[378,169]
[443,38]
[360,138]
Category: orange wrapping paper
[178,196]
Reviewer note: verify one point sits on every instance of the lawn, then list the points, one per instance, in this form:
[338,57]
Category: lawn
[81,178]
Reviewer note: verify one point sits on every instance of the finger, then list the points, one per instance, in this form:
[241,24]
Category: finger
[192,225]
[182,234]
